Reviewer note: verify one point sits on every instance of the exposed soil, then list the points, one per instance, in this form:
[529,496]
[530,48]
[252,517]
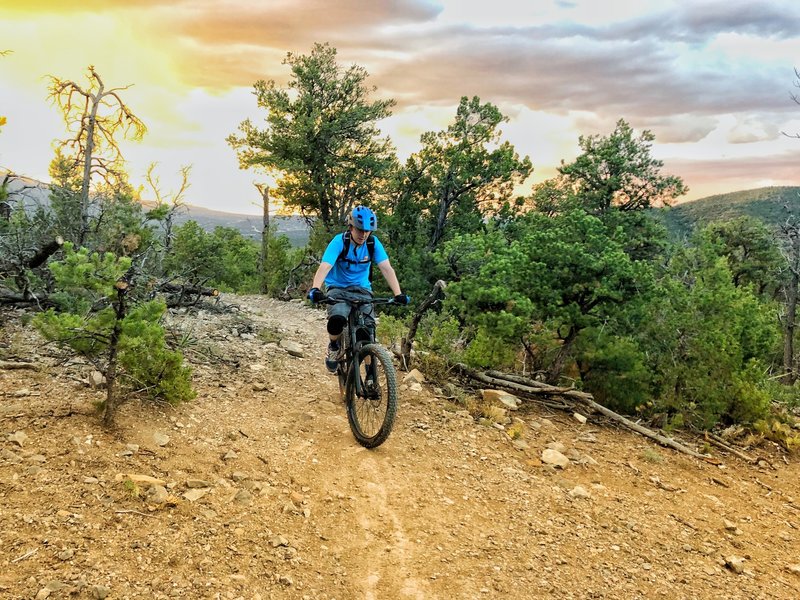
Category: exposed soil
[264,492]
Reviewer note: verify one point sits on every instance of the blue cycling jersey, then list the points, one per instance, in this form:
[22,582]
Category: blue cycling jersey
[346,274]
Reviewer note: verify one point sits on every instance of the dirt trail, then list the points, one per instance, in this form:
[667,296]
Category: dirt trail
[265,494]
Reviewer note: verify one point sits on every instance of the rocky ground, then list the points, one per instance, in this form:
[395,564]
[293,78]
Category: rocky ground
[256,489]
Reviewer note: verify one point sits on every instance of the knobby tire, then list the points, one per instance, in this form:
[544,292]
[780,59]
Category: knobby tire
[371,419]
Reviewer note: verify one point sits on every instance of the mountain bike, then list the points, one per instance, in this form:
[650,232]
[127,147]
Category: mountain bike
[367,379]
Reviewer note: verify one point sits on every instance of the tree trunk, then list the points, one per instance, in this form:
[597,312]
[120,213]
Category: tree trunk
[441,219]
[265,236]
[45,252]
[554,371]
[87,163]
[112,401]
[408,340]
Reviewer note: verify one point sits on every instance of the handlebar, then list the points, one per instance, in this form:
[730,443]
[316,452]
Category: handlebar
[327,300]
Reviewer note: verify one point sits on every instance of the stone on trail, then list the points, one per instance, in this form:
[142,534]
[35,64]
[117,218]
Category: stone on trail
[555,458]
[508,400]
[735,564]
[414,376]
[292,348]
[195,494]
[18,438]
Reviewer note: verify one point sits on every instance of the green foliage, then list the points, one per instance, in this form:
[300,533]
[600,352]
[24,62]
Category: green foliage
[87,318]
[149,364]
[752,252]
[321,133]
[618,172]
[460,176]
[614,370]
[565,271]
[224,258]
[390,330]
[281,258]
[708,342]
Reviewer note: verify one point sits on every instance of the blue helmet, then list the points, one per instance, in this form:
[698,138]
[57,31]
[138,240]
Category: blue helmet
[363,218]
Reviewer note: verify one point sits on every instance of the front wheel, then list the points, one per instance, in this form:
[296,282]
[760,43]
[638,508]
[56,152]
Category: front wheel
[371,413]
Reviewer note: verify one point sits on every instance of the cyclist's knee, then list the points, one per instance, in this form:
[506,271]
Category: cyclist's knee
[336,324]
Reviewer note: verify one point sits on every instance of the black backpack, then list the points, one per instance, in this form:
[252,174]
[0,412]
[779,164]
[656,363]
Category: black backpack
[370,251]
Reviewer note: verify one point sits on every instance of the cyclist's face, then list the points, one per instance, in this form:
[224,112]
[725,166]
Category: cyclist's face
[359,235]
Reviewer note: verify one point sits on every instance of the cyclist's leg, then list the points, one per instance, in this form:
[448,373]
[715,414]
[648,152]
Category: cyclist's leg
[337,320]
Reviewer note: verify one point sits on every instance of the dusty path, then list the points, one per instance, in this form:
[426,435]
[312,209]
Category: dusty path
[267,495]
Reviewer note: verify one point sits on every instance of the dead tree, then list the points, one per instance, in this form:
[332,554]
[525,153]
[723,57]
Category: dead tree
[263,189]
[94,116]
[174,200]
[408,341]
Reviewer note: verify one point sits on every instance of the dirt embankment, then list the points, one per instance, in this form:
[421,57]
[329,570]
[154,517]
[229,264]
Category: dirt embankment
[256,489]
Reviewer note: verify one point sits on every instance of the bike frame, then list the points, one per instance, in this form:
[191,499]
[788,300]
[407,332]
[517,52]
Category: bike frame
[352,345]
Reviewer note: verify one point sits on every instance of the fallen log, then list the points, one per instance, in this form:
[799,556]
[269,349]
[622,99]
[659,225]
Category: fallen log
[720,443]
[537,389]
[10,365]
[187,289]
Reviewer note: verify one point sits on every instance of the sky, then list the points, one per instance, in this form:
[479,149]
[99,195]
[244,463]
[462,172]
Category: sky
[712,80]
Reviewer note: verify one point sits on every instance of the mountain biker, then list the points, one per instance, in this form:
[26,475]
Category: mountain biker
[345,271]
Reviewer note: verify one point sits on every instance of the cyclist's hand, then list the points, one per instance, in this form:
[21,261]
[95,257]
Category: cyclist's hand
[315,295]
[403,299]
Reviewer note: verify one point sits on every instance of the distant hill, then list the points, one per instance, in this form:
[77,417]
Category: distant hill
[766,204]
[293,227]
[33,192]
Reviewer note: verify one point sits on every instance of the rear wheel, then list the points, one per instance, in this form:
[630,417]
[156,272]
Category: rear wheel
[371,414]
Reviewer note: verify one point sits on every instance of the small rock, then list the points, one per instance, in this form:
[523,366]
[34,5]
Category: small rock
[195,494]
[579,418]
[414,376]
[96,380]
[735,564]
[508,400]
[100,592]
[243,497]
[230,455]
[292,348]
[18,438]
[143,479]
[157,494]
[197,483]
[555,458]
[160,439]
[66,554]
[793,568]
[520,444]
[580,492]
[278,541]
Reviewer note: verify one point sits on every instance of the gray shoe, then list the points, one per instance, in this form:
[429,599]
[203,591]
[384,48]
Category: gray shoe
[334,355]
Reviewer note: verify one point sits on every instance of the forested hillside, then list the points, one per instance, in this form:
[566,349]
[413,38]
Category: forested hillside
[768,204]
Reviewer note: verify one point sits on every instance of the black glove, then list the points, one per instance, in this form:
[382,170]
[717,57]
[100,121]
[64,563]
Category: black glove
[315,295]
[403,299]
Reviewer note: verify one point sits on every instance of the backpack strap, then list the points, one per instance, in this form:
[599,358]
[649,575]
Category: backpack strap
[346,248]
